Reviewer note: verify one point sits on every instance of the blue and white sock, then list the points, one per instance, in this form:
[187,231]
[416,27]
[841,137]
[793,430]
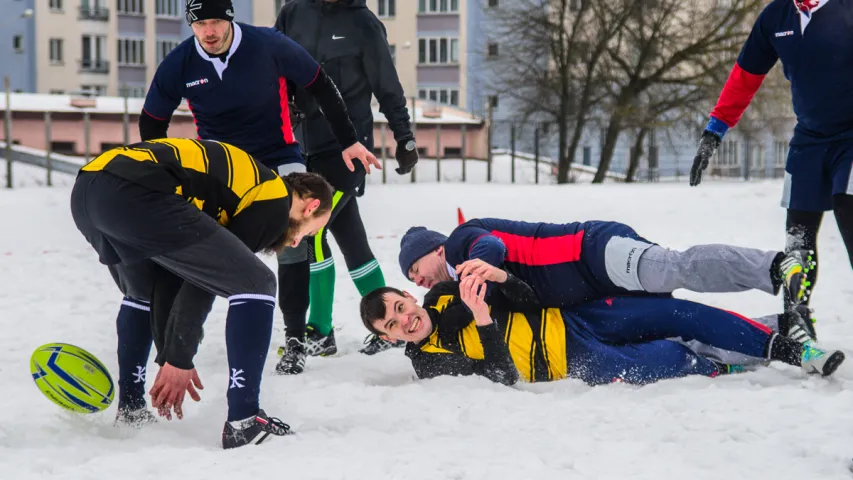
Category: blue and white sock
[133,326]
[248,329]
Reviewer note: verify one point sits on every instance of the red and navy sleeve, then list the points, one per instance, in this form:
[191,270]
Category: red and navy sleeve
[469,241]
[296,65]
[756,59]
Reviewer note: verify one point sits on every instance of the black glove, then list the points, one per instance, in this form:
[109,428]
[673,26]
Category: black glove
[406,155]
[707,146]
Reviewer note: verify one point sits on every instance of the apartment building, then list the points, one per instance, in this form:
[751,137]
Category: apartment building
[98,46]
[438,48]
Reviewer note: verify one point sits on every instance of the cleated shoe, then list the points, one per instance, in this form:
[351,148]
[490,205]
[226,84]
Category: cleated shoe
[793,271]
[317,345]
[374,345]
[253,430]
[798,324]
[815,360]
[293,360]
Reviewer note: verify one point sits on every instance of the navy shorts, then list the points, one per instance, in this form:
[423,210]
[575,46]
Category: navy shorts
[814,173]
[612,254]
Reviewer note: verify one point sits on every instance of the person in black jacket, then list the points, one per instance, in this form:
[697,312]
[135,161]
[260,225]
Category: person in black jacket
[351,45]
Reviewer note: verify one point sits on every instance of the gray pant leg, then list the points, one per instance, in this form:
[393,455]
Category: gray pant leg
[134,280]
[218,265]
[222,265]
[706,268]
[728,357]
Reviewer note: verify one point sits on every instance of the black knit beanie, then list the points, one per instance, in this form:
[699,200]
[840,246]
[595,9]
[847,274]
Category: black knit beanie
[207,9]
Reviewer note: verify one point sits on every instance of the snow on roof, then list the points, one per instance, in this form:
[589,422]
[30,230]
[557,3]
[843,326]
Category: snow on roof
[427,112]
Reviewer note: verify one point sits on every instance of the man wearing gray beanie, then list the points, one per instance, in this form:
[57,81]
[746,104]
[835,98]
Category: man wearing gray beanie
[569,264]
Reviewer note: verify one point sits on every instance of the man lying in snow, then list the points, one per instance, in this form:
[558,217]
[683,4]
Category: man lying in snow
[636,340]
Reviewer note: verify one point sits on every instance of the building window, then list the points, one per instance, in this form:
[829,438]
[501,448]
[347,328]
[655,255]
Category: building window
[55,45]
[446,96]
[93,89]
[493,3]
[167,8]
[442,51]
[133,91]
[493,50]
[386,8]
[727,155]
[55,5]
[18,43]
[438,6]
[780,153]
[131,7]
[393,49]
[93,54]
[131,51]
[494,101]
[164,47]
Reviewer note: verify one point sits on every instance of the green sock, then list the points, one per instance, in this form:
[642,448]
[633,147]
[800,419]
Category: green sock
[368,277]
[322,294]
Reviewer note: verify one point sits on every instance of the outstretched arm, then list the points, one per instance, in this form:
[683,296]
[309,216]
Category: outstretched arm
[756,59]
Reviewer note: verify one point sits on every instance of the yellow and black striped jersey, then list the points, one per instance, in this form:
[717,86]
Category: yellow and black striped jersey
[221,180]
[532,342]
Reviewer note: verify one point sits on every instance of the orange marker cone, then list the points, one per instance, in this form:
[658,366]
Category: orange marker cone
[459,216]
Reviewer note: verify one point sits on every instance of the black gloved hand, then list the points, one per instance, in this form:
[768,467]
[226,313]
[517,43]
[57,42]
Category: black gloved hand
[406,155]
[707,146]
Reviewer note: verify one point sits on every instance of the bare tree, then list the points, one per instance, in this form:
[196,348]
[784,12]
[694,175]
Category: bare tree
[548,63]
[676,49]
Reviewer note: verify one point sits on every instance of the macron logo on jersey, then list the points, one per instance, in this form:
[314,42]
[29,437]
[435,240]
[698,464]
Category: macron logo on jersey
[196,83]
[786,33]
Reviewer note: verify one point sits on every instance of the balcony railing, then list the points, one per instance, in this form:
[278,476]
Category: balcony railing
[94,66]
[89,12]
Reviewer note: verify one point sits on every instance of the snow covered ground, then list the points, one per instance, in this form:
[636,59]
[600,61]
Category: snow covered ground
[361,417]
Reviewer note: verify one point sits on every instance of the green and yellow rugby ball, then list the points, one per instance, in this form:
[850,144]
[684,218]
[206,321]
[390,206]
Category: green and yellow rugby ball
[72,378]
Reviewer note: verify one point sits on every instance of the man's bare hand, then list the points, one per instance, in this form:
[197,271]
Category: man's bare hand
[358,151]
[481,269]
[169,388]
[472,290]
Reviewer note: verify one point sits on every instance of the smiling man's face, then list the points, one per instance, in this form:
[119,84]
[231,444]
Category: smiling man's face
[404,319]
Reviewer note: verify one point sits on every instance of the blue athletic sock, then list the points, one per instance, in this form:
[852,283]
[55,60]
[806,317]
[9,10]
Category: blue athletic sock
[133,326]
[248,329]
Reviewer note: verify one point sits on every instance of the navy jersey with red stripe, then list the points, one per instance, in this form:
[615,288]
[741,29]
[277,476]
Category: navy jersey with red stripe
[546,256]
[240,99]
[814,41]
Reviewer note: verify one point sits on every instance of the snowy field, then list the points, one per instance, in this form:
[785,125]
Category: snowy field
[361,417]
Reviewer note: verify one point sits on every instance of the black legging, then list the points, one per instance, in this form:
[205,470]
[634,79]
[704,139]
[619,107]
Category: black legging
[802,229]
[347,227]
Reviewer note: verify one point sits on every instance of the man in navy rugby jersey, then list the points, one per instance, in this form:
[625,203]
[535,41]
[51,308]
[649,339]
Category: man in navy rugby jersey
[234,77]
[813,39]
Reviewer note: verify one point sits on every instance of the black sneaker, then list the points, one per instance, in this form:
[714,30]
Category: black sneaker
[253,430]
[134,417]
[318,345]
[293,360]
[374,345]
[798,324]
